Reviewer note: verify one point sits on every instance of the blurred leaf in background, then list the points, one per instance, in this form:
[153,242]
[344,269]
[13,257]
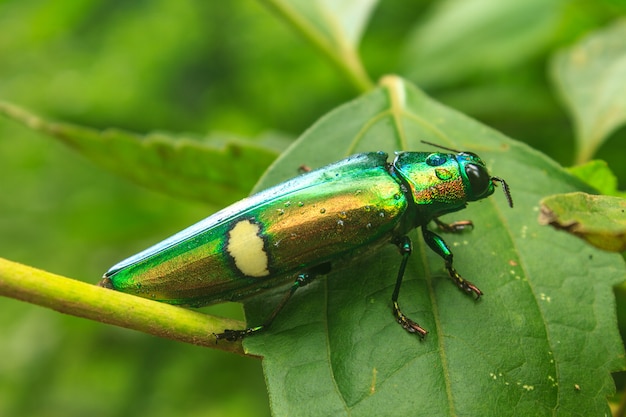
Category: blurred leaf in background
[489,36]
[216,170]
[210,67]
[597,174]
[590,77]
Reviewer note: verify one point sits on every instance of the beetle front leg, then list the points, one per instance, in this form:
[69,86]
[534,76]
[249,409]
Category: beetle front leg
[438,245]
[405,246]
[454,227]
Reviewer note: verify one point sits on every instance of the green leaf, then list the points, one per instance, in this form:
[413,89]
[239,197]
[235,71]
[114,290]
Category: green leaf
[334,27]
[590,78]
[216,170]
[598,219]
[462,38]
[597,174]
[545,324]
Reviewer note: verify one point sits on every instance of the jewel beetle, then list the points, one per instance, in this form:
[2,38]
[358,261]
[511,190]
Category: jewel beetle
[294,231]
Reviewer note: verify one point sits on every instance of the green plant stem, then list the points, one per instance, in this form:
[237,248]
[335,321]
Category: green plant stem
[342,54]
[107,306]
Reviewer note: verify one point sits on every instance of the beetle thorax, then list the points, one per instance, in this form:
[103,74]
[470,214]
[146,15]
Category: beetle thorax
[434,180]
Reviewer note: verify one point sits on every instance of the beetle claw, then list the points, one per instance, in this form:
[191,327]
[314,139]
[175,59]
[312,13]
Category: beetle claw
[408,324]
[465,286]
[236,335]
[229,335]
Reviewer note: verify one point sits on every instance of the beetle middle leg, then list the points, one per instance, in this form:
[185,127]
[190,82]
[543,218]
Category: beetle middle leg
[405,246]
[438,245]
[301,280]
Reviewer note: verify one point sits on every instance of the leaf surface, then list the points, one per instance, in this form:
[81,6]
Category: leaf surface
[543,327]
[598,219]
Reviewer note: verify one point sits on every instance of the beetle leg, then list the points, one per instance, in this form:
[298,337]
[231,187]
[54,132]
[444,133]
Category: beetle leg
[454,227]
[437,244]
[405,246]
[303,169]
[302,279]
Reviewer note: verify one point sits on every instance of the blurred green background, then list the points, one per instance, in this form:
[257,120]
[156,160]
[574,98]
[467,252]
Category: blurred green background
[205,67]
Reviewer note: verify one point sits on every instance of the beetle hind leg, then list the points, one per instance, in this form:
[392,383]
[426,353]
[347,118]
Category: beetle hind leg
[302,279]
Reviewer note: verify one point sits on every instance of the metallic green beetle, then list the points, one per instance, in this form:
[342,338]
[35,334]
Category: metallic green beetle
[293,231]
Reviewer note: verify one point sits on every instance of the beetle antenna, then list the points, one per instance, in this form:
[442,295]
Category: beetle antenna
[505,188]
[439,146]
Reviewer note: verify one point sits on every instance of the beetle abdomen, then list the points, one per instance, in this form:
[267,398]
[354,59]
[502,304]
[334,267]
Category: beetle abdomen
[271,236]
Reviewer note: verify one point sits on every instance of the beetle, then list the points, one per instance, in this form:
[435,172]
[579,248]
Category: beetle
[294,231]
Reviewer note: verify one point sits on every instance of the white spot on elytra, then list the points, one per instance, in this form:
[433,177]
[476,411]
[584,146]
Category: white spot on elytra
[247,249]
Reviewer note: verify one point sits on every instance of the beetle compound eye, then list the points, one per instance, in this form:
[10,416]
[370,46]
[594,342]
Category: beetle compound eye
[478,178]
